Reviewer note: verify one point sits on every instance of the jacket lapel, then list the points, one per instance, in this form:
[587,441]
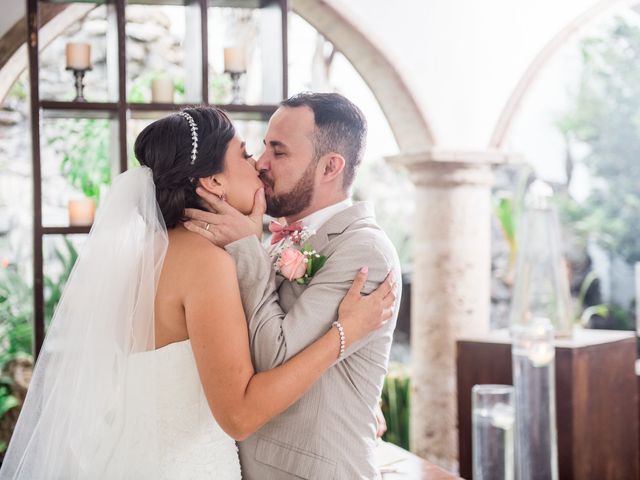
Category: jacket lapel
[337,224]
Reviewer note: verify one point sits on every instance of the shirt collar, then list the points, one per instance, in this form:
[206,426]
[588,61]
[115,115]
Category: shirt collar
[315,220]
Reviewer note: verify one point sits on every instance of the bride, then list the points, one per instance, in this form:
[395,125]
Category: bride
[146,370]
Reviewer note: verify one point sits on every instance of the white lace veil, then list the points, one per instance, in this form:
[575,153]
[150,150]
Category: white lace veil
[83,398]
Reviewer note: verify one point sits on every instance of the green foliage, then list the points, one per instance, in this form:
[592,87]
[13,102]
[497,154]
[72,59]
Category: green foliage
[16,314]
[16,308]
[396,394]
[582,294]
[219,89]
[508,208]
[314,261]
[84,146]
[7,400]
[15,331]
[16,311]
[505,214]
[19,91]
[606,118]
[54,288]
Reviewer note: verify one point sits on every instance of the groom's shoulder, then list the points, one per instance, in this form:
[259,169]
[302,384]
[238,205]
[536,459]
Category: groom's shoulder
[363,233]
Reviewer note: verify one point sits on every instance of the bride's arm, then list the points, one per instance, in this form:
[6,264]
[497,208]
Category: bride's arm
[240,399]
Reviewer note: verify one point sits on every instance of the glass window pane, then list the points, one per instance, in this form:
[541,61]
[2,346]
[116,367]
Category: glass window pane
[87,24]
[163,54]
[247,42]
[77,163]
[60,253]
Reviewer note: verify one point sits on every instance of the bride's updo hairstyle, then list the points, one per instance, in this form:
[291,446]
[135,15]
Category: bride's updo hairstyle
[166,147]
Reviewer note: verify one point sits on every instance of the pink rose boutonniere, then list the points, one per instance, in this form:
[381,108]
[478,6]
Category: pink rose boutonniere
[295,263]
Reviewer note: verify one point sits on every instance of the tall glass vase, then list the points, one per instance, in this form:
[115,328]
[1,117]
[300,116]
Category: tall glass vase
[533,356]
[493,427]
[541,288]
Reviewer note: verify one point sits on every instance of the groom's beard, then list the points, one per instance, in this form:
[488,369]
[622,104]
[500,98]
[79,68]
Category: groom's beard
[295,200]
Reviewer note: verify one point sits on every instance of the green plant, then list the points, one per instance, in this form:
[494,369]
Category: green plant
[15,316]
[7,400]
[55,287]
[16,309]
[508,208]
[506,217]
[580,310]
[140,87]
[616,317]
[395,404]
[604,121]
[15,332]
[220,87]
[84,147]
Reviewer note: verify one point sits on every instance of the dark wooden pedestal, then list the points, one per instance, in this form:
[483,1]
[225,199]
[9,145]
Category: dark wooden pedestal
[596,400]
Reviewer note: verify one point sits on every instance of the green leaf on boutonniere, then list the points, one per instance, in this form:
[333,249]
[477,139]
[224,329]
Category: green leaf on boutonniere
[316,264]
[314,261]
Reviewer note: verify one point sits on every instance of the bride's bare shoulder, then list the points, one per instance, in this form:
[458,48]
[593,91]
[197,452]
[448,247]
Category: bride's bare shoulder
[197,253]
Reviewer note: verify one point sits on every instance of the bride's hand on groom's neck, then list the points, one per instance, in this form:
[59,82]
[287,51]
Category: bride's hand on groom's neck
[223,224]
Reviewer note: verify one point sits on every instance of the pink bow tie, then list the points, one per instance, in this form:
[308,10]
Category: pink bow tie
[280,231]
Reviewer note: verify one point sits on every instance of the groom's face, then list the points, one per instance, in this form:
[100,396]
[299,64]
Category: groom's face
[287,166]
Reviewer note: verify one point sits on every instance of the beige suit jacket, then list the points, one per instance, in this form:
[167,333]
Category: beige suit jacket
[330,433]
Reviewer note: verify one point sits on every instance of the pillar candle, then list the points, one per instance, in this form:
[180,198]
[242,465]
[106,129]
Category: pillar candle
[162,90]
[81,212]
[78,56]
[235,60]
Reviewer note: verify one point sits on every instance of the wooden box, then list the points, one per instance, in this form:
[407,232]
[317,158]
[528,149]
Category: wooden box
[596,400]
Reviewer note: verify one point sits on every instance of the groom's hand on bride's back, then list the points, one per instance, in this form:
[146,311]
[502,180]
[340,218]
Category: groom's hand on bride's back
[223,224]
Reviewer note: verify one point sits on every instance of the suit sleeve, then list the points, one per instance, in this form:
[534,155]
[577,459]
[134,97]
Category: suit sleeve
[275,336]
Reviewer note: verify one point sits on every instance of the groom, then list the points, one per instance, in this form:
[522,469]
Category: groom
[314,145]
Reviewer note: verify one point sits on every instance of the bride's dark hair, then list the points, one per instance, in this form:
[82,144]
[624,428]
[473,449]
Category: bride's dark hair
[165,147]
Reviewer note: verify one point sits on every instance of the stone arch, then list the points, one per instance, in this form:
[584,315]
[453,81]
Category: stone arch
[514,103]
[406,118]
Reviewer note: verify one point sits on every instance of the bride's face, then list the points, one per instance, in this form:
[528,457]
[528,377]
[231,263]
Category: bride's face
[239,180]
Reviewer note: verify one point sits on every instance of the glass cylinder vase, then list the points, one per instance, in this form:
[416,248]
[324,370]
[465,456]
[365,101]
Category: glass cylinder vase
[493,432]
[533,356]
[541,288]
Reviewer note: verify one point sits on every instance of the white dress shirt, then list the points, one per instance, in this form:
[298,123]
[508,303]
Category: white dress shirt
[318,218]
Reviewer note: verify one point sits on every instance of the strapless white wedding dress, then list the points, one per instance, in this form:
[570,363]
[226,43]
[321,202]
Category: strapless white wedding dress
[185,436]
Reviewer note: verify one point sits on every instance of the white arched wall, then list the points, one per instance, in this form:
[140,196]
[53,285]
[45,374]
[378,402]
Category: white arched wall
[406,118]
[515,101]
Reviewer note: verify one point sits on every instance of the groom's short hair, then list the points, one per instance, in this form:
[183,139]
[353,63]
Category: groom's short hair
[340,128]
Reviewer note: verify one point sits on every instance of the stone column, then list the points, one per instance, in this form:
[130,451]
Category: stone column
[450,289]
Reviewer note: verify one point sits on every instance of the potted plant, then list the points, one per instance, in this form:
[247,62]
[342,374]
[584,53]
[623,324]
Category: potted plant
[84,147]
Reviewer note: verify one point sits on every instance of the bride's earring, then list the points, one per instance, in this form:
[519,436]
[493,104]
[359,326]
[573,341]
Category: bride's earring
[222,197]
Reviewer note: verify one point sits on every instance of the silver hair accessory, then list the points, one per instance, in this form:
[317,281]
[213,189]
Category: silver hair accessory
[194,135]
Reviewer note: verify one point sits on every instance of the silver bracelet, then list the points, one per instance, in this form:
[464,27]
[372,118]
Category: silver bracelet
[340,328]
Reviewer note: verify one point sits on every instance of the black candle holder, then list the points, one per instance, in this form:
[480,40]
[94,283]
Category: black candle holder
[79,76]
[235,86]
